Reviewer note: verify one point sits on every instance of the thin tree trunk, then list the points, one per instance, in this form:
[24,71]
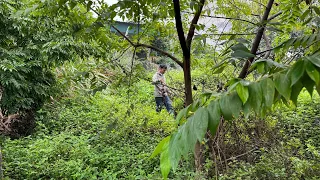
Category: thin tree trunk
[245,70]
[187,80]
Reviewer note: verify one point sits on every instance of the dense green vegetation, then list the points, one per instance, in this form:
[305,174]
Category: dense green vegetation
[81,138]
[76,99]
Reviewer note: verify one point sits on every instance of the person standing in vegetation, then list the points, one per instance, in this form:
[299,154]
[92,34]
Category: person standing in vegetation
[161,90]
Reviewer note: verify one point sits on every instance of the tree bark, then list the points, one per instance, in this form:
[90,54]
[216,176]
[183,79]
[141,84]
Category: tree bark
[186,48]
[244,72]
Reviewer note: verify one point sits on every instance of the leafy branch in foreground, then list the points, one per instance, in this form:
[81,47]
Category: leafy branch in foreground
[242,96]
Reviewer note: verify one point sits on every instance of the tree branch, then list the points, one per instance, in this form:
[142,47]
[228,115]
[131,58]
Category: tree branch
[162,52]
[123,35]
[229,34]
[179,27]
[193,23]
[149,46]
[256,42]
[145,45]
[221,17]
[274,16]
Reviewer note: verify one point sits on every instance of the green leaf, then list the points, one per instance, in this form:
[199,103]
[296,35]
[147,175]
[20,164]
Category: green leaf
[255,99]
[160,147]
[289,43]
[230,105]
[220,70]
[268,90]
[304,15]
[260,67]
[240,46]
[316,9]
[233,86]
[308,84]
[175,149]
[274,29]
[165,165]
[307,21]
[313,73]
[214,116]
[282,84]
[200,123]
[62,2]
[304,41]
[242,54]
[296,89]
[182,113]
[242,40]
[72,4]
[314,60]
[311,39]
[89,5]
[246,110]
[297,71]
[243,92]
[191,137]
[318,89]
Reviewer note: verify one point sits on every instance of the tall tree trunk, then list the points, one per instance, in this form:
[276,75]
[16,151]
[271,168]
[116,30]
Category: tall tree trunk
[187,80]
[185,44]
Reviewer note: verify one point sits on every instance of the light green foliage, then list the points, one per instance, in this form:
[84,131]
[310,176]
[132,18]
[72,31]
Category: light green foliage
[100,136]
[90,133]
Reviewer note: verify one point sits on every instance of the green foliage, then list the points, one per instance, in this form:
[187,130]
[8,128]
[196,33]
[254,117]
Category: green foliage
[34,41]
[100,136]
[295,154]
[259,101]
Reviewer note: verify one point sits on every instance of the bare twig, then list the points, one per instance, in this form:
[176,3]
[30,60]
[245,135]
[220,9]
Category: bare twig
[240,155]
[274,16]
[230,34]
[221,17]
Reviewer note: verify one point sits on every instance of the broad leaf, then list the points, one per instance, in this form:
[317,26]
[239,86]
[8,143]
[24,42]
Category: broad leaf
[268,90]
[314,60]
[313,73]
[240,46]
[165,165]
[242,54]
[255,99]
[243,92]
[308,84]
[200,123]
[191,137]
[182,113]
[219,70]
[296,89]
[176,148]
[282,83]
[230,105]
[297,71]
[160,147]
[214,116]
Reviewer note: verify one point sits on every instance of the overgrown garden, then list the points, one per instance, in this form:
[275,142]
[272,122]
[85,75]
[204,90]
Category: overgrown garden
[77,99]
